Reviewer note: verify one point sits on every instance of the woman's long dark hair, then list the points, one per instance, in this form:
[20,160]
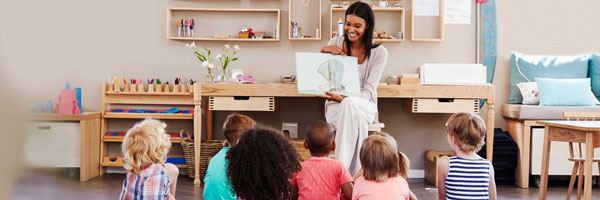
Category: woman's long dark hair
[364,11]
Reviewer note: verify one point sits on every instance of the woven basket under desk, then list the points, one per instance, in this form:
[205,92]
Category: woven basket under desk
[209,148]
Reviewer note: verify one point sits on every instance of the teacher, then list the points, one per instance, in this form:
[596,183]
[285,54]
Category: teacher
[351,116]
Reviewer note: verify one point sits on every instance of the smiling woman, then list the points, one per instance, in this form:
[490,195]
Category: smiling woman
[352,115]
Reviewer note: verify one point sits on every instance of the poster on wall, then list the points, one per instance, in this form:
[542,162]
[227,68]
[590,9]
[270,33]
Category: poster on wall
[320,72]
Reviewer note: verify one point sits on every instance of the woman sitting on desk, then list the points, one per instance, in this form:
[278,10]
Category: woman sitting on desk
[352,115]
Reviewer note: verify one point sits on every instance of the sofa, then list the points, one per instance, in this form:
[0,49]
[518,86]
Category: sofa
[521,118]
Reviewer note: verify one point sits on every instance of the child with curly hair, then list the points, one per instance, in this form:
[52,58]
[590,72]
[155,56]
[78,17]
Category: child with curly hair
[261,165]
[216,185]
[381,178]
[466,175]
[321,177]
[145,148]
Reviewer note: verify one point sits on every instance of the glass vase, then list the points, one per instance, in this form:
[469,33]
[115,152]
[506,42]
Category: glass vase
[209,76]
[225,75]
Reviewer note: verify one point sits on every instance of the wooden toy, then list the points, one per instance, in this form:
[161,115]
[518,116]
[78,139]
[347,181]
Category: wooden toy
[67,102]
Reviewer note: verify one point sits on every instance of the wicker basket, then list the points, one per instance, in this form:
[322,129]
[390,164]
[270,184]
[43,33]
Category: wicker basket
[209,148]
[303,153]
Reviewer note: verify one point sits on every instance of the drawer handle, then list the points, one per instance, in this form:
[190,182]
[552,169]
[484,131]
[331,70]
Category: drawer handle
[43,127]
[241,98]
[442,100]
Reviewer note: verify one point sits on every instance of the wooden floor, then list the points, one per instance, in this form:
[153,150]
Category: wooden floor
[59,185]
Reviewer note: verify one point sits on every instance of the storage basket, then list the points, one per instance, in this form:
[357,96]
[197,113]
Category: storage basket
[208,149]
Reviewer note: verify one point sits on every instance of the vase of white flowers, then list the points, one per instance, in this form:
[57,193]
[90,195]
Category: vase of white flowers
[224,59]
[205,59]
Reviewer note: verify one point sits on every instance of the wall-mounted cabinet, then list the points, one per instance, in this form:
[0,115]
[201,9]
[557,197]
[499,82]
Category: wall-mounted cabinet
[215,24]
[307,14]
[388,20]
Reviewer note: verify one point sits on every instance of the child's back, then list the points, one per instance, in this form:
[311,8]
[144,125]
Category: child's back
[216,185]
[151,183]
[321,178]
[467,178]
[392,188]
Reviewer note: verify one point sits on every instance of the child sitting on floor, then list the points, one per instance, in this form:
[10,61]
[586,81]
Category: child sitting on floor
[261,165]
[380,178]
[321,177]
[216,185]
[403,164]
[466,175]
[145,149]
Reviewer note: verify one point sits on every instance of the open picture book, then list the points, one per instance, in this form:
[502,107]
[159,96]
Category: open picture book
[320,72]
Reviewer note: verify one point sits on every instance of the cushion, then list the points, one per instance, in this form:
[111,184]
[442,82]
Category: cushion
[565,92]
[533,112]
[595,73]
[540,66]
[529,91]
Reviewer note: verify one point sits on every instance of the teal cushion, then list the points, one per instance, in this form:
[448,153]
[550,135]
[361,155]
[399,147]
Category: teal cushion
[539,66]
[565,92]
[595,73]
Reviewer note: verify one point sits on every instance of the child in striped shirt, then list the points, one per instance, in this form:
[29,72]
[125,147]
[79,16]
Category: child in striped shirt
[466,175]
[145,149]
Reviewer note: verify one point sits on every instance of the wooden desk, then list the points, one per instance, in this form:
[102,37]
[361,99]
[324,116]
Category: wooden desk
[587,132]
[383,91]
[89,148]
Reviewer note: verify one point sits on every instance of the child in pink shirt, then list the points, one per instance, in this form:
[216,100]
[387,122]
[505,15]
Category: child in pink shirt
[381,178]
[321,177]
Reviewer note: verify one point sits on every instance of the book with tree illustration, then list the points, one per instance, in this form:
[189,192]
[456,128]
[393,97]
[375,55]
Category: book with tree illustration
[320,72]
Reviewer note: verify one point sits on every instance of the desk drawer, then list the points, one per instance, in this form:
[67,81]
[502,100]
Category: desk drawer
[52,144]
[242,103]
[444,105]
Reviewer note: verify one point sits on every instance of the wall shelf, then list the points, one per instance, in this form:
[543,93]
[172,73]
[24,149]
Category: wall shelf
[258,19]
[385,13]
[307,27]
[440,35]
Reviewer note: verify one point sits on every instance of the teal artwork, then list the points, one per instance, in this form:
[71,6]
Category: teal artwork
[318,73]
[489,39]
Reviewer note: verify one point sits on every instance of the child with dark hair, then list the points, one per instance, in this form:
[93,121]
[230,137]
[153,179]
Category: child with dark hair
[321,177]
[261,165]
[216,185]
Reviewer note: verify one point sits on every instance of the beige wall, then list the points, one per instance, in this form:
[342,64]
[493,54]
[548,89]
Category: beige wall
[45,43]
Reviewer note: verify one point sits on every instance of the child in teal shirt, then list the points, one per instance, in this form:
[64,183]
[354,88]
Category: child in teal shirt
[216,185]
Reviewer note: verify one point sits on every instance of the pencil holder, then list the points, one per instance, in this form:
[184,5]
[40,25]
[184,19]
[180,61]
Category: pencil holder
[126,87]
[116,87]
[150,88]
[139,88]
[111,87]
[166,88]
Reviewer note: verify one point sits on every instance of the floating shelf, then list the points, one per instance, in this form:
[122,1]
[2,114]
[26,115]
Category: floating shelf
[110,115]
[117,161]
[440,36]
[203,22]
[230,39]
[311,29]
[397,11]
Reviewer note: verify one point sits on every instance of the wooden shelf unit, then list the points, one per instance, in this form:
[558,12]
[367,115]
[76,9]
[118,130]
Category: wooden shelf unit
[400,10]
[112,96]
[441,26]
[290,30]
[118,161]
[171,23]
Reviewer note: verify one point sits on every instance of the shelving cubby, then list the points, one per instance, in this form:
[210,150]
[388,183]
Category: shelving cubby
[389,18]
[311,16]
[209,21]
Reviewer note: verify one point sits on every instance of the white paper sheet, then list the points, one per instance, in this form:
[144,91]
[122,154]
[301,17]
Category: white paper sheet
[427,7]
[458,12]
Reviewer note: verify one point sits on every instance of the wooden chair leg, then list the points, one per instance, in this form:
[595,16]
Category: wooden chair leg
[580,181]
[572,182]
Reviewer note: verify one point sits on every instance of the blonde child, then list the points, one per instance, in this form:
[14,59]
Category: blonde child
[216,185]
[321,177]
[380,178]
[145,150]
[466,175]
